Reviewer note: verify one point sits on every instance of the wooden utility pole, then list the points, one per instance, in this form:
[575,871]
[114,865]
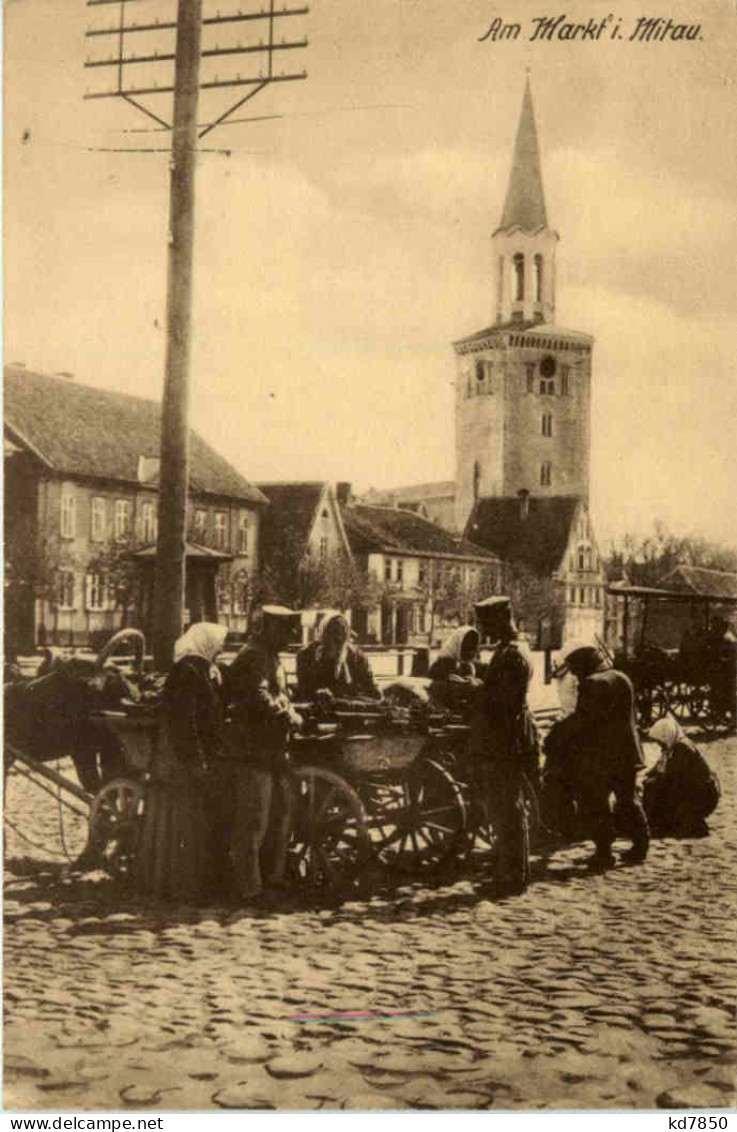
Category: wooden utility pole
[169,587]
[174,475]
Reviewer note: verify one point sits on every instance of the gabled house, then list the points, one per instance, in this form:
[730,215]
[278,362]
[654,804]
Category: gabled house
[305,555]
[555,573]
[425,579]
[81,498]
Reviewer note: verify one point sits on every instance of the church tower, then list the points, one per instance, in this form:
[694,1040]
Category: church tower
[523,384]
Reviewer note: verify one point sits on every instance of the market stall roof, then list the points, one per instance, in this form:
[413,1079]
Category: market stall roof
[617,589]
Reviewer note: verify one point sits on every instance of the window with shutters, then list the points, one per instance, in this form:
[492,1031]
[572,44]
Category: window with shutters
[97,519]
[95,592]
[123,517]
[68,514]
[243,532]
[221,530]
[65,589]
[148,523]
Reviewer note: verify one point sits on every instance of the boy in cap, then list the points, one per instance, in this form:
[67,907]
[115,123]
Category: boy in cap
[610,754]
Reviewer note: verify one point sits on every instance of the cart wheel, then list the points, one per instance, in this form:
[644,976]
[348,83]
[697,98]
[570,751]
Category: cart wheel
[114,815]
[419,822]
[698,703]
[329,842]
[678,697]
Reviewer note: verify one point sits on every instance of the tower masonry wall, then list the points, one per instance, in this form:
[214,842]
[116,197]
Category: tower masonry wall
[479,429]
[546,428]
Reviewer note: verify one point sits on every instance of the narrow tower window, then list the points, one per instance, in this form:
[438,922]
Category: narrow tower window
[538,278]
[565,380]
[530,373]
[546,474]
[476,481]
[547,424]
[518,262]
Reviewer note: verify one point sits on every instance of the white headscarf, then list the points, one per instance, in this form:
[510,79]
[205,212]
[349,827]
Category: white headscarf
[205,639]
[454,644]
[667,731]
[341,667]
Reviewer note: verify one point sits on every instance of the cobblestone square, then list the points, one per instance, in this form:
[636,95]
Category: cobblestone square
[613,991]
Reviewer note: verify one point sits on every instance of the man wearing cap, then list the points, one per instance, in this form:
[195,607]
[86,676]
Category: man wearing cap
[262,721]
[609,754]
[504,741]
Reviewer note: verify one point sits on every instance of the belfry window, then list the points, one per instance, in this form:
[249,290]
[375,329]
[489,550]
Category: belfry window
[518,263]
[538,278]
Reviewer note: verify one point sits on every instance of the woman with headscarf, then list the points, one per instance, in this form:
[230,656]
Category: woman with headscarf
[176,848]
[681,790]
[331,664]
[453,673]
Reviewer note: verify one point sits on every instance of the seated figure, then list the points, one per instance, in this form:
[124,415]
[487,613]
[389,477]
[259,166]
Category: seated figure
[333,667]
[681,790]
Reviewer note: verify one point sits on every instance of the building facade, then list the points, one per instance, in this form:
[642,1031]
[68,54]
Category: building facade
[81,517]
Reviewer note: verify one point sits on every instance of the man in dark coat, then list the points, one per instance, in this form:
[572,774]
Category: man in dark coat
[504,742]
[608,754]
[262,720]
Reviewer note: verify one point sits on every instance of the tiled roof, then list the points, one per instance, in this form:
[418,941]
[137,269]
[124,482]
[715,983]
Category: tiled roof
[79,430]
[391,529]
[287,521]
[537,541]
[714,584]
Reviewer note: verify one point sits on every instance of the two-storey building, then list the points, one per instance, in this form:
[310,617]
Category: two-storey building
[81,514]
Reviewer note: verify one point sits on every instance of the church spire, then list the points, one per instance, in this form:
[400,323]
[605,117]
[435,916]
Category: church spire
[524,245]
[524,206]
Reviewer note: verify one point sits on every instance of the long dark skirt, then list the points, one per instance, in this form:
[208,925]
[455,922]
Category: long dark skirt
[175,851]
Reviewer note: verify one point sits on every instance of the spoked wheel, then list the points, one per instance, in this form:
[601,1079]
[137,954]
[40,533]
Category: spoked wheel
[678,697]
[114,819]
[652,704]
[698,703]
[418,823]
[329,842]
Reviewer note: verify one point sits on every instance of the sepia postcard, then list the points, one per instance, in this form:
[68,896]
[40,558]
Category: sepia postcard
[370,558]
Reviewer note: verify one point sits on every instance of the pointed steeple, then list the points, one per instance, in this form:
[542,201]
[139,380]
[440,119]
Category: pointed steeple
[524,206]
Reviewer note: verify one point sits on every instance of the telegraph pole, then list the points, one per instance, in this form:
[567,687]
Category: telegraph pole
[169,578]
[174,474]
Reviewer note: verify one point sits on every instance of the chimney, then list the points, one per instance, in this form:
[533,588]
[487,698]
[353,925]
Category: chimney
[343,493]
[524,502]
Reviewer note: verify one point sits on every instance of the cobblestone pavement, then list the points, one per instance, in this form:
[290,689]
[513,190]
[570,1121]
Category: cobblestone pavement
[614,991]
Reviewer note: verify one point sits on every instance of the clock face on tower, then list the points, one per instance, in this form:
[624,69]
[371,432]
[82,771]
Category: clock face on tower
[548,366]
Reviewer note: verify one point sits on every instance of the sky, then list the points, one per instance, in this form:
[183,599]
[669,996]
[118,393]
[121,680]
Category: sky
[343,246]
